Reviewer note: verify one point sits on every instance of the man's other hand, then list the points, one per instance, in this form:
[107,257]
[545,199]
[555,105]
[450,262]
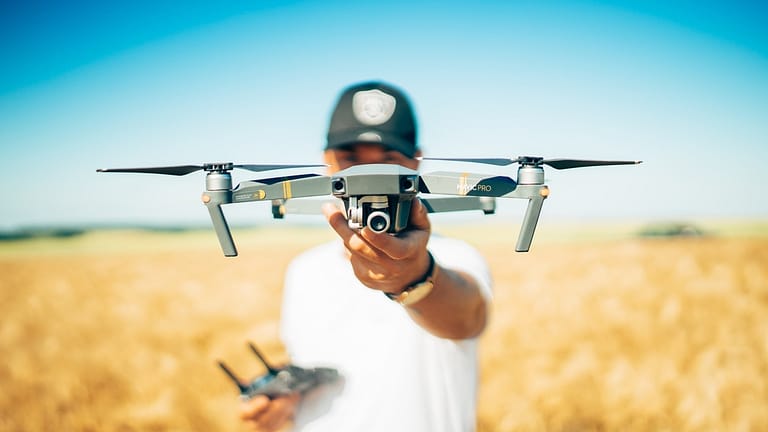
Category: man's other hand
[263,414]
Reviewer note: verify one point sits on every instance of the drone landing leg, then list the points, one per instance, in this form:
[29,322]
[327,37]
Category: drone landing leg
[529,223]
[222,230]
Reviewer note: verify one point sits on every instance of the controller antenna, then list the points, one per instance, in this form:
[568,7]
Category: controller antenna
[243,388]
[272,370]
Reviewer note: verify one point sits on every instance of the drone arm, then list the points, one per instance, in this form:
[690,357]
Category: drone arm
[253,190]
[475,185]
[449,204]
[281,207]
[466,184]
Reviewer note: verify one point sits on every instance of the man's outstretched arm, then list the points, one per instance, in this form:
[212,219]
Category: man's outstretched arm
[455,308]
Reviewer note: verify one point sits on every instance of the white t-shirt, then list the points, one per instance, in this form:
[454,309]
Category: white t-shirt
[396,377]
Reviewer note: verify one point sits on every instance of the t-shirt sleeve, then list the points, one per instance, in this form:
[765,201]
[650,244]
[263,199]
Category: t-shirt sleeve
[459,255]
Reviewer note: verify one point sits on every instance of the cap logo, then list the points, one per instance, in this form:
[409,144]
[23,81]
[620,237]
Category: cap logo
[373,107]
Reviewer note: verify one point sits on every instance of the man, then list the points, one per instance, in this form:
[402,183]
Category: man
[407,362]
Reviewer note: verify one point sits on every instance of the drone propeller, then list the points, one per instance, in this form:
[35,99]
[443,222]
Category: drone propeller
[536,161]
[488,161]
[579,163]
[180,170]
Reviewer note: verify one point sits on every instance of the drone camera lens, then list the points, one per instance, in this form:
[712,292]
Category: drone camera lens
[378,221]
[338,186]
[406,184]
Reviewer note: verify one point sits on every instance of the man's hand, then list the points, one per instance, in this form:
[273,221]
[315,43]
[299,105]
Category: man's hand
[454,309]
[262,414]
[382,261]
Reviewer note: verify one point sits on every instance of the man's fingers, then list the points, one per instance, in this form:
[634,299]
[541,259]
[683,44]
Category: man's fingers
[337,221]
[368,270]
[396,247]
[281,410]
[351,238]
[407,243]
[267,415]
[373,246]
[419,218]
[254,407]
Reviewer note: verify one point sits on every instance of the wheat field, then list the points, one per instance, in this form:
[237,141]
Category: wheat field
[121,331]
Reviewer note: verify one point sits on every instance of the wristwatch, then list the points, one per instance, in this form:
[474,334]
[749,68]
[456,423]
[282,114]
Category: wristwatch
[419,289]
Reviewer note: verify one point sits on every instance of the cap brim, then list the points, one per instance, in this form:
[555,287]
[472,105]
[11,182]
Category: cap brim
[371,136]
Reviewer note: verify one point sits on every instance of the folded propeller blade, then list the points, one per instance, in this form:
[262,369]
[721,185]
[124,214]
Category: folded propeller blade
[579,163]
[264,167]
[180,170]
[489,161]
[532,160]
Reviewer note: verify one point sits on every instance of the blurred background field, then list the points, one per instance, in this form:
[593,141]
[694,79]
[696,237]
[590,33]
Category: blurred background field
[601,327]
[595,329]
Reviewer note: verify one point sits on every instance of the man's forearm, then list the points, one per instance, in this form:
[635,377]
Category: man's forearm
[455,309]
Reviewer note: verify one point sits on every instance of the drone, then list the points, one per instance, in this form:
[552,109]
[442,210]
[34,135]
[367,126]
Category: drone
[377,196]
[283,381]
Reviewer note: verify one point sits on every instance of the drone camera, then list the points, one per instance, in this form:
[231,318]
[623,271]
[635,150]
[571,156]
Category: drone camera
[338,186]
[408,184]
[377,212]
[378,221]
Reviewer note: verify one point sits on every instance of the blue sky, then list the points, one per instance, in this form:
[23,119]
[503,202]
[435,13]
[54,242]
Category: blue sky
[681,85]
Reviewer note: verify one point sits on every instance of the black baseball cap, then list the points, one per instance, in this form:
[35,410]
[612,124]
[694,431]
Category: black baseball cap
[373,112]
